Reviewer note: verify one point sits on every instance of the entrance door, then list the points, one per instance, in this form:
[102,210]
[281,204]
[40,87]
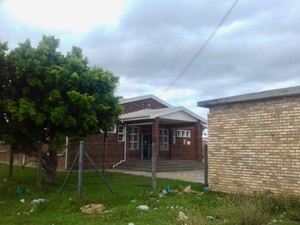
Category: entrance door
[146,146]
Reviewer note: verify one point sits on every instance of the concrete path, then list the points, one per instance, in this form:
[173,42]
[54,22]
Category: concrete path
[196,176]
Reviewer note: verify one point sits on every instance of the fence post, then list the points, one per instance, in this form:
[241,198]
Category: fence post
[80,169]
[39,166]
[205,166]
[153,167]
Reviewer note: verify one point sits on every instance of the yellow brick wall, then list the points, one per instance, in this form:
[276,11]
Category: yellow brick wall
[255,146]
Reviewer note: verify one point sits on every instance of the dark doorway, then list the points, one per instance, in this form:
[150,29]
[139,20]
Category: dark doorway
[146,146]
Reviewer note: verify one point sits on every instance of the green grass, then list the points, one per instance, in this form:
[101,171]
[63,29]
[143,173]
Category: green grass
[130,192]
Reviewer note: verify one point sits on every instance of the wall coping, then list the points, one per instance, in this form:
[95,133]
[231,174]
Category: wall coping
[263,95]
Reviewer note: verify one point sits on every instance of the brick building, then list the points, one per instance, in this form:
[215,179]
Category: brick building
[147,121]
[254,142]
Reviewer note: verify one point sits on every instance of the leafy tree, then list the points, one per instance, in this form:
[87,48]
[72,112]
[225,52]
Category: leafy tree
[52,95]
[3,84]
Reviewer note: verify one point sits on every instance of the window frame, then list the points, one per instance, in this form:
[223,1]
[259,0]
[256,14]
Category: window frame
[134,142]
[121,135]
[164,139]
[183,133]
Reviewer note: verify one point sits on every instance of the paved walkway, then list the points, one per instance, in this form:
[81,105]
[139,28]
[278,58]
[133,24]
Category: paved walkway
[191,175]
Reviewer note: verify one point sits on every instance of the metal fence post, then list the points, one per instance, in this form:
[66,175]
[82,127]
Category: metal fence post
[154,167]
[205,165]
[80,169]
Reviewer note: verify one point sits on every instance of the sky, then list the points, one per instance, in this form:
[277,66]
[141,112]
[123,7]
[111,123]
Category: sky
[148,43]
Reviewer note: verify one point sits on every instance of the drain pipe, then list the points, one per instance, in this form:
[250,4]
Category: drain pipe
[125,146]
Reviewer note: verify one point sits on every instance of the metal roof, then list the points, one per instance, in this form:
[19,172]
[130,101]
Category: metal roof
[270,94]
[173,113]
[143,97]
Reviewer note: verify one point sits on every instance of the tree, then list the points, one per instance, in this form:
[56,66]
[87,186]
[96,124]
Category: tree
[54,95]
[3,84]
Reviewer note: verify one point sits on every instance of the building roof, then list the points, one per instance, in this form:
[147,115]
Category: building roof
[143,97]
[270,94]
[178,114]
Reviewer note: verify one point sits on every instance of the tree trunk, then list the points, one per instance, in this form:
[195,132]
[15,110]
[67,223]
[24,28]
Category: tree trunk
[39,166]
[50,166]
[11,164]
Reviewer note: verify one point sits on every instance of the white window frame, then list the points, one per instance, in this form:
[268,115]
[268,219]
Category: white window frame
[134,142]
[163,139]
[184,133]
[121,133]
[113,129]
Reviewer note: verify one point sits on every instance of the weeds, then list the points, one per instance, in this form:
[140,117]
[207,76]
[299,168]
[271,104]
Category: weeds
[209,208]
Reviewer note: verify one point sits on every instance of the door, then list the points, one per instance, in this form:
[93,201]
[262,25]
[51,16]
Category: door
[146,146]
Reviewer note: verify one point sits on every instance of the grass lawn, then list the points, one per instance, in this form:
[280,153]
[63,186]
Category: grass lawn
[130,192]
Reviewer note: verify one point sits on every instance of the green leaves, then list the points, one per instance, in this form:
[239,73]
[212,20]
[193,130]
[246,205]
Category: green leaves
[49,93]
[83,101]
[58,114]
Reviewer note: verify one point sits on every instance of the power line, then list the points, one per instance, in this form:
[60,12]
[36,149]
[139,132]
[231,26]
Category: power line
[202,47]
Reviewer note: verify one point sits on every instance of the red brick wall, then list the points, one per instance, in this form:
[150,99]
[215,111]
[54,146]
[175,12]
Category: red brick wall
[142,104]
[187,148]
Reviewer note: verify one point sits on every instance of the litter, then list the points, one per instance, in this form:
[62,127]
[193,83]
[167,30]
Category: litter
[133,201]
[93,209]
[22,200]
[210,218]
[166,190]
[37,201]
[189,190]
[143,207]
[181,216]
[20,191]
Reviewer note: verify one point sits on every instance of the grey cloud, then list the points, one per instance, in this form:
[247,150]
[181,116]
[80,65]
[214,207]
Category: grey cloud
[156,39]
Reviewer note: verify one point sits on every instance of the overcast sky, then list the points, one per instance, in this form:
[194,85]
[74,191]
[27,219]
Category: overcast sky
[148,43]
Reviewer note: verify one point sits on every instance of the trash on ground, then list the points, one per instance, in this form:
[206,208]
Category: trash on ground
[93,209]
[22,200]
[206,189]
[20,191]
[133,201]
[189,190]
[130,223]
[143,207]
[37,201]
[166,190]
[181,216]
[210,218]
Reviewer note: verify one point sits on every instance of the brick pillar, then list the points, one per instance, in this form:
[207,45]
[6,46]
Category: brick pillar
[198,142]
[155,136]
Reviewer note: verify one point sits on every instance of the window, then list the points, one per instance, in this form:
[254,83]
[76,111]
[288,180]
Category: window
[113,129]
[184,133]
[121,133]
[134,138]
[163,139]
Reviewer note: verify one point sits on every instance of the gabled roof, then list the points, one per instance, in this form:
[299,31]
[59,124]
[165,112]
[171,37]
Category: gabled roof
[271,94]
[143,97]
[178,114]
